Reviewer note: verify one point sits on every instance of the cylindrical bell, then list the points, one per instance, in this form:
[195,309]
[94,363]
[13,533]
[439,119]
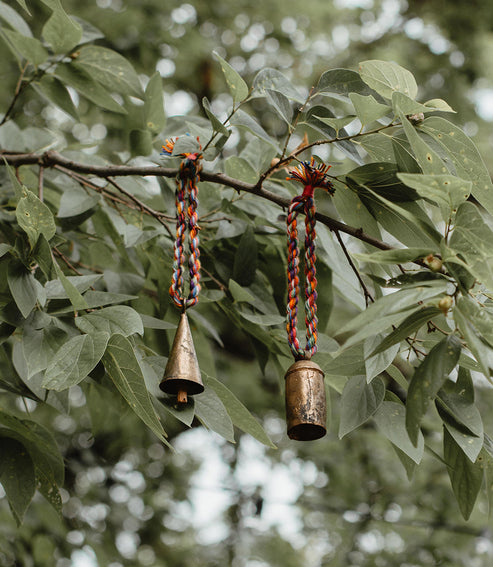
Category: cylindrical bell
[182,374]
[306,407]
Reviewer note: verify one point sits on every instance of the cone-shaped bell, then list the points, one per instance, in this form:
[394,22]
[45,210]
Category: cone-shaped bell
[306,407]
[182,373]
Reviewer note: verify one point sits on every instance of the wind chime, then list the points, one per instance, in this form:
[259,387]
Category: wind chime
[306,408]
[182,374]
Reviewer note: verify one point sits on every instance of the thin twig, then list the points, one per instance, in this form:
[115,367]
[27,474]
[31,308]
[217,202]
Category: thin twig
[66,261]
[160,217]
[368,295]
[285,160]
[221,286]
[142,206]
[18,90]
[40,182]
[292,127]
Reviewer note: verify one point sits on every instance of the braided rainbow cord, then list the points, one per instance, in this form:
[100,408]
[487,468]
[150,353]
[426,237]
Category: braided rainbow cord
[307,205]
[186,217]
[311,178]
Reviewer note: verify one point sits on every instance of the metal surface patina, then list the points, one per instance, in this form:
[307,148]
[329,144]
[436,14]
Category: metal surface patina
[306,406]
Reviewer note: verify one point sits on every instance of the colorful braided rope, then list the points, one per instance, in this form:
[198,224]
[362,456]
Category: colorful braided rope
[311,177]
[186,217]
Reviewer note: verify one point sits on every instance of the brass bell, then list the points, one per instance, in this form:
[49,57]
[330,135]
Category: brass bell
[182,374]
[306,407]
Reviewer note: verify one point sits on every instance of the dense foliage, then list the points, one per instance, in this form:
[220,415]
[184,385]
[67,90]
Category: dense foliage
[405,258]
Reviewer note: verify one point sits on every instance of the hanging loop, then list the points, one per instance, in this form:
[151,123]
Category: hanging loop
[311,177]
[186,202]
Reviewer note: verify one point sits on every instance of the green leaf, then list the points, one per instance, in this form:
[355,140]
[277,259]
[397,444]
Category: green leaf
[419,223]
[336,123]
[4,248]
[411,324]
[404,157]
[70,290]
[238,413]
[90,33]
[29,47]
[244,120]
[246,259]
[386,78]
[110,69]
[465,157]
[155,116]
[479,317]
[55,91]
[239,168]
[446,191]
[140,142]
[118,319]
[14,19]
[74,360]
[124,370]
[50,491]
[16,475]
[314,119]
[375,363]
[396,256]
[390,418]
[438,104]
[77,205]
[390,309]
[359,402]
[429,161]
[155,323]
[466,478]
[212,413]
[473,322]
[381,178]
[23,4]
[236,84]
[34,217]
[378,146]
[455,404]
[471,239]
[81,81]
[217,125]
[241,294]
[60,31]
[39,442]
[398,376]
[342,81]
[23,287]
[407,105]
[266,320]
[56,290]
[470,445]
[281,104]
[367,108]
[39,347]
[427,380]
[274,80]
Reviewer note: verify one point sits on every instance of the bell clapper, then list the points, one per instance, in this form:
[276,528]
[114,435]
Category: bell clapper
[181,397]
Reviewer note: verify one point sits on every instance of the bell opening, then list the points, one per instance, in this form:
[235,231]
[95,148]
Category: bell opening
[306,432]
[175,385]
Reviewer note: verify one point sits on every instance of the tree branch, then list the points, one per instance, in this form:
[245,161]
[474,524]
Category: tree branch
[54,159]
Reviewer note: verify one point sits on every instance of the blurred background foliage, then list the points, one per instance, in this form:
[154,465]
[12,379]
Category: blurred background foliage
[127,501]
[448,46]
